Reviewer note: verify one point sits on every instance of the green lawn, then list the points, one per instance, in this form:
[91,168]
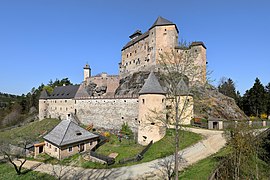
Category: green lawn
[128,149]
[8,172]
[203,168]
[32,131]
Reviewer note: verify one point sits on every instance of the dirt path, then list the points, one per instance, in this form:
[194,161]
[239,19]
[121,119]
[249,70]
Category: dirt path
[212,142]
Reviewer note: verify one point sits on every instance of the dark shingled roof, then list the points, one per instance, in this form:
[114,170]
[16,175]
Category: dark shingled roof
[136,33]
[81,92]
[159,22]
[43,94]
[198,43]
[68,132]
[64,92]
[182,88]
[162,22]
[137,39]
[152,86]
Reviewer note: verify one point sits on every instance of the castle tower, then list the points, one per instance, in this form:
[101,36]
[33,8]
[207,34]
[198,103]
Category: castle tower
[151,105]
[86,72]
[163,36]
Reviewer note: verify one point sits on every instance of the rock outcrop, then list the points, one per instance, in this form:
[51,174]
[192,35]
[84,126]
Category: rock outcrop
[208,102]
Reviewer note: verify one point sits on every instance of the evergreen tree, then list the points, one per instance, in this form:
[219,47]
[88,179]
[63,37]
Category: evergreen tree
[254,100]
[227,87]
[267,89]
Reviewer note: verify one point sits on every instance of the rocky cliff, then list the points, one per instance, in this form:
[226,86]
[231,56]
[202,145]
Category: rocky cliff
[208,102]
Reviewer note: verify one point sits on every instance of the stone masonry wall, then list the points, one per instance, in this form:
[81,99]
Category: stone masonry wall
[108,113]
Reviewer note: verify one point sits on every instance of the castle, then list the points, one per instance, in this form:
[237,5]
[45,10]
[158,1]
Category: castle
[95,102]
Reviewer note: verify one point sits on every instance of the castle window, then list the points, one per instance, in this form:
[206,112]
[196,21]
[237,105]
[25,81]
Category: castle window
[65,100]
[143,101]
[66,109]
[135,51]
[60,109]
[122,118]
[130,54]
[134,61]
[135,119]
[152,123]
[162,100]
[69,149]
[165,29]
[44,101]
[125,101]
[130,62]
[55,101]
[50,146]
[127,55]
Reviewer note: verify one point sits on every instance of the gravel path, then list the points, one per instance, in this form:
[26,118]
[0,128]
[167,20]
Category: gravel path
[213,141]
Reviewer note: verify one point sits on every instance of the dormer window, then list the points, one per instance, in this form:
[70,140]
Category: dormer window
[78,133]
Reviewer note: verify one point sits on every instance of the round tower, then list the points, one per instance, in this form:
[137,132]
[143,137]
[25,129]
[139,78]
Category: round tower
[86,72]
[151,111]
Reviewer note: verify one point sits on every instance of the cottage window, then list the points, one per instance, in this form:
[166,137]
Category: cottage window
[69,149]
[55,149]
[50,146]
[65,100]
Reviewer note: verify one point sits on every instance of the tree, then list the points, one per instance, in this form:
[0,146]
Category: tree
[177,69]
[254,100]
[15,155]
[267,89]
[227,87]
[241,161]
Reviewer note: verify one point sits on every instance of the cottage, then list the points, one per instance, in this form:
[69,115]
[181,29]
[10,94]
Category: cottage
[67,139]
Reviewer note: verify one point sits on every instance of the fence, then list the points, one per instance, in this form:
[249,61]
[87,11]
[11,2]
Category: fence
[138,157]
[106,159]
[201,124]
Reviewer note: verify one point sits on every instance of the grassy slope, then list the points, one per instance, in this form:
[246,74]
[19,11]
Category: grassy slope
[205,167]
[32,131]
[127,149]
[8,172]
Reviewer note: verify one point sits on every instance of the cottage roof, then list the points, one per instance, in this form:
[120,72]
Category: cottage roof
[68,132]
[64,92]
[152,86]
[43,94]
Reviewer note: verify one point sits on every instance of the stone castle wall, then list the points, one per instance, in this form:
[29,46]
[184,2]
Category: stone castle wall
[56,108]
[108,113]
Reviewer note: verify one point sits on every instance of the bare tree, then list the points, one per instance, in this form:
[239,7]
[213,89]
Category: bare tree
[178,68]
[15,155]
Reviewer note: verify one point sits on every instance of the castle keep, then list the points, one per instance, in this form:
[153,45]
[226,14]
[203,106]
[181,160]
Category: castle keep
[96,101]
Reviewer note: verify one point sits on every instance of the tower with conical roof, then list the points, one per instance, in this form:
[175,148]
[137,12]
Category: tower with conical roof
[151,105]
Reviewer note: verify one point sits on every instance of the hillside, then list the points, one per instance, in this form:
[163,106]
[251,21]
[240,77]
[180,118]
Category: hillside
[30,132]
[208,101]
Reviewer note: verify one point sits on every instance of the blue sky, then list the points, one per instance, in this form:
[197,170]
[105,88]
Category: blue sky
[47,39]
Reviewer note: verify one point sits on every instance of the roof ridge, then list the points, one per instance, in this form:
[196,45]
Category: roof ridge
[65,131]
